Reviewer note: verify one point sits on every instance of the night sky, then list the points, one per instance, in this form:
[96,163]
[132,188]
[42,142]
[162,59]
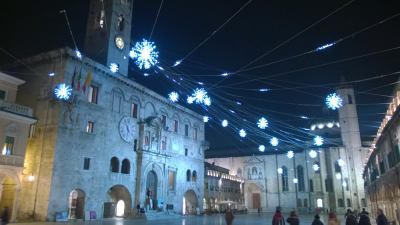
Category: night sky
[295,89]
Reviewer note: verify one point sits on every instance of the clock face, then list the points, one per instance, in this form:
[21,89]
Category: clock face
[119,42]
[127,129]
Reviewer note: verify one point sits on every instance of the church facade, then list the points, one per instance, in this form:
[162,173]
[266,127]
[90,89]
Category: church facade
[114,144]
[315,177]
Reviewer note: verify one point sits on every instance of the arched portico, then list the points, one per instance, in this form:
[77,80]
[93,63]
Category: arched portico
[10,186]
[119,202]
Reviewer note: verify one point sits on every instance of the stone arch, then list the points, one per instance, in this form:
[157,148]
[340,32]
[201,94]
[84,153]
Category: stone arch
[149,110]
[114,165]
[188,175]
[190,203]
[114,195]
[157,170]
[253,195]
[126,166]
[10,184]
[135,99]
[76,204]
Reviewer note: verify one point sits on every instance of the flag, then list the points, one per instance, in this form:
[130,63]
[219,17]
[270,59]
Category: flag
[78,87]
[89,77]
[73,79]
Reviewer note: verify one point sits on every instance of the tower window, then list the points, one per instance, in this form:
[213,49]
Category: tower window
[176,126]
[86,163]
[349,99]
[134,110]
[186,151]
[195,133]
[186,130]
[93,94]
[90,127]
[101,19]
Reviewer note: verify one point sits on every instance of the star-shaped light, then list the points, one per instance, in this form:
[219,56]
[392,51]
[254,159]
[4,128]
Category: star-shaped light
[340,162]
[78,54]
[295,180]
[315,167]
[114,67]
[242,133]
[199,94]
[290,154]
[177,63]
[205,119]
[173,96]
[274,141]
[334,101]
[338,176]
[318,141]
[313,154]
[144,53]
[261,148]
[280,170]
[262,123]
[63,91]
[190,100]
[224,123]
[344,184]
[207,101]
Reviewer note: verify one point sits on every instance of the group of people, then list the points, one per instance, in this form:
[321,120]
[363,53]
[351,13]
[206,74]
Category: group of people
[351,217]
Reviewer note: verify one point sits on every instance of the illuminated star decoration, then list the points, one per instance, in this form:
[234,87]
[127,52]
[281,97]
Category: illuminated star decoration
[325,46]
[199,96]
[295,180]
[224,123]
[190,99]
[144,53]
[173,96]
[280,170]
[315,167]
[290,154]
[334,101]
[207,101]
[318,141]
[177,63]
[274,141]
[340,162]
[78,54]
[63,91]
[262,123]
[312,154]
[242,133]
[261,148]
[338,176]
[205,119]
[114,67]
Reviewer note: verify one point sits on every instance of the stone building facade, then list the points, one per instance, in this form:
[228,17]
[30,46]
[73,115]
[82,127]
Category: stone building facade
[326,177]
[382,171]
[15,127]
[116,141]
[221,189]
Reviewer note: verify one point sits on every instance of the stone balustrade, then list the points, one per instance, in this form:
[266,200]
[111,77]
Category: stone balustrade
[12,160]
[15,108]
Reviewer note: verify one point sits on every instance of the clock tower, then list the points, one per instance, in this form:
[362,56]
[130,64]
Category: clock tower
[108,32]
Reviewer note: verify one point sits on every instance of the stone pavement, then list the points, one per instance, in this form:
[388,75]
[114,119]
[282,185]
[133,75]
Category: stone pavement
[241,219]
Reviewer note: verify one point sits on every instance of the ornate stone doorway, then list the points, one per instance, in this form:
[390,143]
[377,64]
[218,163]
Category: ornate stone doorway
[151,191]
[8,191]
[190,203]
[76,206]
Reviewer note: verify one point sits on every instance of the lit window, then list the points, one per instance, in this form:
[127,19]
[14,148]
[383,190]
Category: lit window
[89,127]
[8,146]
[101,19]
[93,94]
[171,180]
[86,163]
[134,110]
[319,203]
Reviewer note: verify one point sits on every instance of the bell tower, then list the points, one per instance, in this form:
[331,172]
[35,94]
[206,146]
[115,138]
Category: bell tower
[108,32]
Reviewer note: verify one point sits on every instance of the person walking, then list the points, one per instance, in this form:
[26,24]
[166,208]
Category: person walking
[278,218]
[351,219]
[293,218]
[317,221]
[381,219]
[364,218]
[4,216]
[332,219]
[229,217]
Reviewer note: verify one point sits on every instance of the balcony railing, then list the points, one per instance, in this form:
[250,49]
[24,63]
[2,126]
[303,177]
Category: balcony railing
[15,108]
[12,160]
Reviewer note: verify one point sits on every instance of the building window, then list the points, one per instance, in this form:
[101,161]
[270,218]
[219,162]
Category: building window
[186,130]
[194,176]
[147,139]
[320,203]
[93,94]
[8,145]
[299,202]
[195,133]
[363,202]
[186,151]
[86,163]
[90,127]
[171,180]
[311,185]
[114,165]
[340,202]
[2,95]
[285,179]
[305,203]
[188,175]
[338,169]
[116,104]
[134,110]
[164,121]
[300,176]
[328,185]
[126,166]
[350,99]
[101,19]
[346,180]
[32,130]
[176,126]
[164,143]
[348,202]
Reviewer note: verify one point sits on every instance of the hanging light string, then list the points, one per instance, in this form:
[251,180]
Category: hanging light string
[155,21]
[69,27]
